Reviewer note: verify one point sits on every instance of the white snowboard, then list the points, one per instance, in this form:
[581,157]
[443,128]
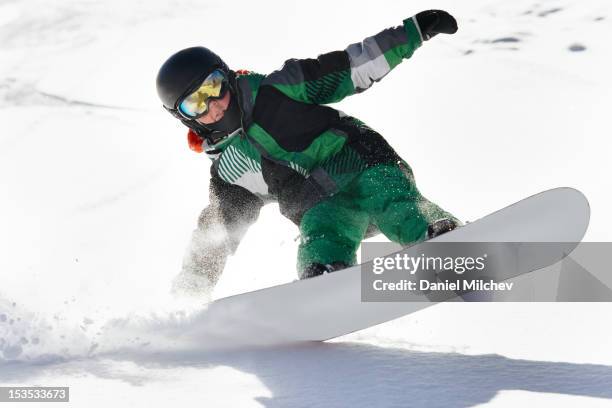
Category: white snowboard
[330,305]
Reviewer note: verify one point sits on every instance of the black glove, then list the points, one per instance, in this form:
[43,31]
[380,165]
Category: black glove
[433,22]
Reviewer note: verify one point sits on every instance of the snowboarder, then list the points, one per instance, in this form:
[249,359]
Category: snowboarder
[272,138]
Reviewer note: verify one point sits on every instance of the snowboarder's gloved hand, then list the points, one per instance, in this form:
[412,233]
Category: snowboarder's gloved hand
[433,22]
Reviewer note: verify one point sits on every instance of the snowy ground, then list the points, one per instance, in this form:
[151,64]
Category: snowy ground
[99,194]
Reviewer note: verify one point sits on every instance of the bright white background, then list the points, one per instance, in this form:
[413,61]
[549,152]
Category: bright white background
[99,194]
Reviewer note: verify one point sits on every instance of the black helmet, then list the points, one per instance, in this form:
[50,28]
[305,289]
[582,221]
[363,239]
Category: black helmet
[182,70]
[180,73]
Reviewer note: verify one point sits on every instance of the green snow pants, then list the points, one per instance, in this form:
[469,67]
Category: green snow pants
[384,195]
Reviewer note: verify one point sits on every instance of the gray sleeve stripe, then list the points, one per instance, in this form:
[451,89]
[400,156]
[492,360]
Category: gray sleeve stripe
[368,64]
[363,52]
[391,38]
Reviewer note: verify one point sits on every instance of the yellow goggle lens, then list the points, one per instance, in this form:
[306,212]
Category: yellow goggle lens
[196,103]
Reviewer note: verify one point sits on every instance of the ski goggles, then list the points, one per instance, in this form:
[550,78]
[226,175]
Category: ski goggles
[195,104]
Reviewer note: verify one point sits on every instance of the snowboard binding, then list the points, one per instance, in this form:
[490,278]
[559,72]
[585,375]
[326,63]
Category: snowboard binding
[317,269]
[440,227]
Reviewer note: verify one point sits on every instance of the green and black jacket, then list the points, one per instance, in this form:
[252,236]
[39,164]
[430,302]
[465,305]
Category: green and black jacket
[296,150]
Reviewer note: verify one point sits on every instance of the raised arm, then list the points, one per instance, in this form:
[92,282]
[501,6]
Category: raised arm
[335,75]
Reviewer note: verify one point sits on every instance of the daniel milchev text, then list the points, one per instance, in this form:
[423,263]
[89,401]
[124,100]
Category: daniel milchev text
[468,270]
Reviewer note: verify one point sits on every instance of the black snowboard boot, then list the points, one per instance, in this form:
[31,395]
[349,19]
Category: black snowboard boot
[440,227]
[317,269]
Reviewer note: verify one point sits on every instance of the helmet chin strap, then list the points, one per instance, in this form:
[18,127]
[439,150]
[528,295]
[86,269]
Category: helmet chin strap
[214,151]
